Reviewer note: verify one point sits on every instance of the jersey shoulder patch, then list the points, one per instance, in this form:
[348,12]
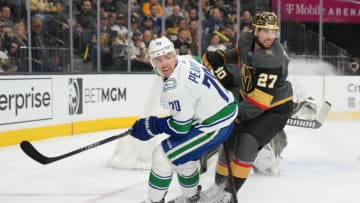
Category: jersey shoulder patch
[170,84]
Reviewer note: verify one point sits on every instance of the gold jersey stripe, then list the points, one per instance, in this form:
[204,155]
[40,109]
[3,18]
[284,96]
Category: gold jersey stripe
[260,98]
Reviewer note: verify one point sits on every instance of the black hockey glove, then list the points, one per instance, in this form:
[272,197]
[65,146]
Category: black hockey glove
[145,128]
[213,60]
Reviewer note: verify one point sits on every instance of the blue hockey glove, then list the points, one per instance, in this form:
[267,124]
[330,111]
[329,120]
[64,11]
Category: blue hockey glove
[145,128]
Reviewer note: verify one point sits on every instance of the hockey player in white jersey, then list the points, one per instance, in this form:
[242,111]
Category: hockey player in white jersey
[201,118]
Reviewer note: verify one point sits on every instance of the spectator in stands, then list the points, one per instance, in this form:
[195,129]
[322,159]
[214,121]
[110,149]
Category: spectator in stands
[43,59]
[135,9]
[246,19]
[168,10]
[147,37]
[147,24]
[245,28]
[5,16]
[104,23]
[230,33]
[86,19]
[182,45]
[183,26]
[85,26]
[105,51]
[215,43]
[8,41]
[20,34]
[353,68]
[140,60]
[136,12]
[120,28]
[219,4]
[134,27]
[17,7]
[147,7]
[157,21]
[193,27]
[193,15]
[232,20]
[214,23]
[185,6]
[173,20]
[118,54]
[22,41]
[195,43]
[108,7]
[122,6]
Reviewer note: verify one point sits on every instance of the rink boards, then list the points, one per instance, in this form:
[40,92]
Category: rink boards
[43,106]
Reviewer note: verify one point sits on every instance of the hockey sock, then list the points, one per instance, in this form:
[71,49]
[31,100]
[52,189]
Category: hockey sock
[238,183]
[220,179]
[241,171]
[221,173]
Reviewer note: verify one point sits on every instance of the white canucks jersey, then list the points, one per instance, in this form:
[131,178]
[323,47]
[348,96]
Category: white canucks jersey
[196,99]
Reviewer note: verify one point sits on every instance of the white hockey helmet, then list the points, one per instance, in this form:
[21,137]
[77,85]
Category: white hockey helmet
[160,46]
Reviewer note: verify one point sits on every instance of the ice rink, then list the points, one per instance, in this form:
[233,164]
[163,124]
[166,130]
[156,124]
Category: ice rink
[320,165]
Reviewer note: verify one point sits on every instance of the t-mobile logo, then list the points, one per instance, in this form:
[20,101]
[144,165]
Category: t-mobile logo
[75,96]
[289,8]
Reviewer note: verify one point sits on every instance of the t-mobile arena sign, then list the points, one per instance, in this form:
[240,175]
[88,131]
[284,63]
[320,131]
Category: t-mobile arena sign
[334,11]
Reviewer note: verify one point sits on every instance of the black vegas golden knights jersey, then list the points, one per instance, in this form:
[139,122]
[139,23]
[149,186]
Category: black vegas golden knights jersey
[264,74]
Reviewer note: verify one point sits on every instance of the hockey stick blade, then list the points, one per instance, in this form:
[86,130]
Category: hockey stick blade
[314,124]
[30,150]
[33,153]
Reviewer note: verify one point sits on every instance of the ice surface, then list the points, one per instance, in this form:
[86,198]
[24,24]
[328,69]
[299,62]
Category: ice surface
[319,166]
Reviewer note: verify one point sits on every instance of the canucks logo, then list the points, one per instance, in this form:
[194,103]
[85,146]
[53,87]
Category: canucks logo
[75,96]
[169,84]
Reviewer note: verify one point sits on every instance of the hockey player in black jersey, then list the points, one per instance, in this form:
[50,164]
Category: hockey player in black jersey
[265,99]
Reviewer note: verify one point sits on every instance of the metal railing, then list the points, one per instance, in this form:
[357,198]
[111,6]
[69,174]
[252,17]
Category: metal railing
[302,42]
[43,59]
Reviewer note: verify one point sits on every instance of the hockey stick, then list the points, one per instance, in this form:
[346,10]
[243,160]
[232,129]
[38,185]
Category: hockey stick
[230,176]
[33,153]
[314,124]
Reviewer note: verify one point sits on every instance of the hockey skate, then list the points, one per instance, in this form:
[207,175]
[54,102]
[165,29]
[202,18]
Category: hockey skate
[211,193]
[183,199]
[220,197]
